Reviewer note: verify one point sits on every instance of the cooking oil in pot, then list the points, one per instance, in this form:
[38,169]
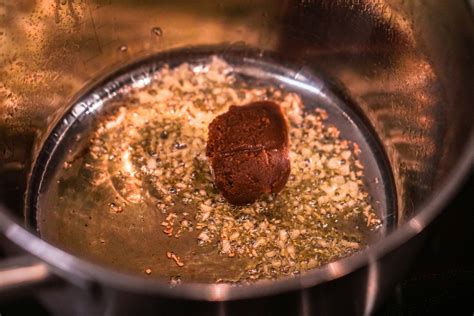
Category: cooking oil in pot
[123,179]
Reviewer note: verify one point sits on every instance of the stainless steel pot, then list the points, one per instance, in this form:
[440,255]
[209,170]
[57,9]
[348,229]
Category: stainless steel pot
[407,64]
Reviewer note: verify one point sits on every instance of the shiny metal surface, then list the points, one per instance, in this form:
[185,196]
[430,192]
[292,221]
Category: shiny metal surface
[406,64]
[22,272]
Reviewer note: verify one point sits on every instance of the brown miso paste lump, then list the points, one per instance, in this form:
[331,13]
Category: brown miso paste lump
[248,151]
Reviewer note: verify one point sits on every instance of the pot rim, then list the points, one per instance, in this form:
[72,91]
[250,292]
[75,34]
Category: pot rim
[84,273]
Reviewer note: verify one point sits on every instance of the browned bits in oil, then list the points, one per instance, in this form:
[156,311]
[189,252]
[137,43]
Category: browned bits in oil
[114,208]
[175,258]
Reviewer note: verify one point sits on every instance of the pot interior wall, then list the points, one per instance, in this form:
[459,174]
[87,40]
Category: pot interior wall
[406,64]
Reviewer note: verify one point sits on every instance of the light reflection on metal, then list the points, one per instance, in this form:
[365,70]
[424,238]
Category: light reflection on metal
[416,225]
[218,292]
[302,85]
[142,81]
[372,285]
[20,275]
[336,269]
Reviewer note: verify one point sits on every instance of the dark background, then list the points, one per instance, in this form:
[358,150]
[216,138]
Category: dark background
[441,281]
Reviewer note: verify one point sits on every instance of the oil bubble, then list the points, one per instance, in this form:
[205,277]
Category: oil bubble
[157,31]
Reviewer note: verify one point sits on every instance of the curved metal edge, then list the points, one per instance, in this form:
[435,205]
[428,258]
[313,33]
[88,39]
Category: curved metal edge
[86,275]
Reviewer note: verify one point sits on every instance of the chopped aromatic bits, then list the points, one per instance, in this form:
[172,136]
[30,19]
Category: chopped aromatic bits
[175,258]
[151,153]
